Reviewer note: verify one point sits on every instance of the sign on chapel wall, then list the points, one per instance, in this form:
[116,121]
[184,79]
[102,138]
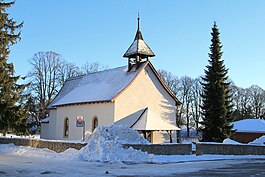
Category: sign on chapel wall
[79,121]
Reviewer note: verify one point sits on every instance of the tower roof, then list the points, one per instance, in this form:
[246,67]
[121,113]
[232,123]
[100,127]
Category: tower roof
[139,47]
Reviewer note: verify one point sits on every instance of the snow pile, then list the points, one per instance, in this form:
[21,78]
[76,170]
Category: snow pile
[27,151]
[36,136]
[229,141]
[105,145]
[259,141]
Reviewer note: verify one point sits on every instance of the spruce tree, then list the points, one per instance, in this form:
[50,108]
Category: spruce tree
[12,116]
[216,98]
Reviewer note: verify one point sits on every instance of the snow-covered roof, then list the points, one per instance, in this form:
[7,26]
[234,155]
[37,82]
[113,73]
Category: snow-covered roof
[68,86]
[139,47]
[250,125]
[145,119]
[95,87]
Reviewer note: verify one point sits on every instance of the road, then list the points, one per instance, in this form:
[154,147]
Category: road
[12,165]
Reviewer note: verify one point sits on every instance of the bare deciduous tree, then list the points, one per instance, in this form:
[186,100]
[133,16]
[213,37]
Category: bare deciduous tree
[257,101]
[44,78]
[48,74]
[249,102]
[93,67]
[186,99]
[170,80]
[66,71]
[196,92]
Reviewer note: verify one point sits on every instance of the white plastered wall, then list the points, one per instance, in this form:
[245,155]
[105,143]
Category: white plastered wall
[104,112]
[52,125]
[44,131]
[147,91]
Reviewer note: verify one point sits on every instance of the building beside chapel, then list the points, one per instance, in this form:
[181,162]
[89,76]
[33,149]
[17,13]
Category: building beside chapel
[132,95]
[247,130]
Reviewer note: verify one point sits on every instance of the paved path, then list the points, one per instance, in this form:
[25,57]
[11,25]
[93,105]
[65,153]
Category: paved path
[11,165]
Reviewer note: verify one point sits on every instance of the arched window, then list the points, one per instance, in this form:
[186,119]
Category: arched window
[66,127]
[94,123]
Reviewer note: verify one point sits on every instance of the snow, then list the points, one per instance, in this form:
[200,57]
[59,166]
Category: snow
[105,156]
[139,47]
[194,158]
[73,155]
[70,154]
[105,145]
[132,49]
[250,125]
[229,141]
[36,136]
[98,86]
[68,86]
[258,141]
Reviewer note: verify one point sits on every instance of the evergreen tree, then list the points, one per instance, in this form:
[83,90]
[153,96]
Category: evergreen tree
[12,116]
[217,104]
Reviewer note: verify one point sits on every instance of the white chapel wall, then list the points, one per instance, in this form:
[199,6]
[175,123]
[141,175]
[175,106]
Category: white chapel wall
[104,112]
[44,131]
[52,125]
[146,91]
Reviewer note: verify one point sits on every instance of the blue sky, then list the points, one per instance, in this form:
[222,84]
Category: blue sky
[177,31]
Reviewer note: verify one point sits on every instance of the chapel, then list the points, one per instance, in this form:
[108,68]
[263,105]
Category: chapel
[133,95]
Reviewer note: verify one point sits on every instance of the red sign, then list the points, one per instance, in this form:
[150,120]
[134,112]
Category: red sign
[79,121]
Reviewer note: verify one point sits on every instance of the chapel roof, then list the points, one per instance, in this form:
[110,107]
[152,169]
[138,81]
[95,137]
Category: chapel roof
[138,47]
[102,86]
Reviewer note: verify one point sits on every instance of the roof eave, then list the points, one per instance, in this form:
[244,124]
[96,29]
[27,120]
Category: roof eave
[81,103]
[164,85]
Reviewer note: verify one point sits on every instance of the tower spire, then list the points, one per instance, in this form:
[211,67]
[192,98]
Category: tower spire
[138,50]
[138,21]
[138,33]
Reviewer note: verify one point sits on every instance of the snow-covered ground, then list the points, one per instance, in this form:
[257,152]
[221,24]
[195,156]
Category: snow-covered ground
[26,161]
[16,136]
[104,156]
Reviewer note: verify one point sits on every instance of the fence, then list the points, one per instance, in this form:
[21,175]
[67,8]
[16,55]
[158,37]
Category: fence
[229,149]
[157,149]
[162,149]
[57,146]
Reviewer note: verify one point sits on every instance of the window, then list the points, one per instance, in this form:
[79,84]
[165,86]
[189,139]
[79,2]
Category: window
[66,127]
[149,136]
[94,123]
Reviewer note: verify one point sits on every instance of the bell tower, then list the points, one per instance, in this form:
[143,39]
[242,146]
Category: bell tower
[139,51]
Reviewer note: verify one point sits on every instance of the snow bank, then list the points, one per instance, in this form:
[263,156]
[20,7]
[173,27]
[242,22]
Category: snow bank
[229,141]
[105,145]
[36,136]
[27,151]
[258,141]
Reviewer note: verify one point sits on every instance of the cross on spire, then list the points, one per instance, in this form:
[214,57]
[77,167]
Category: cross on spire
[138,21]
